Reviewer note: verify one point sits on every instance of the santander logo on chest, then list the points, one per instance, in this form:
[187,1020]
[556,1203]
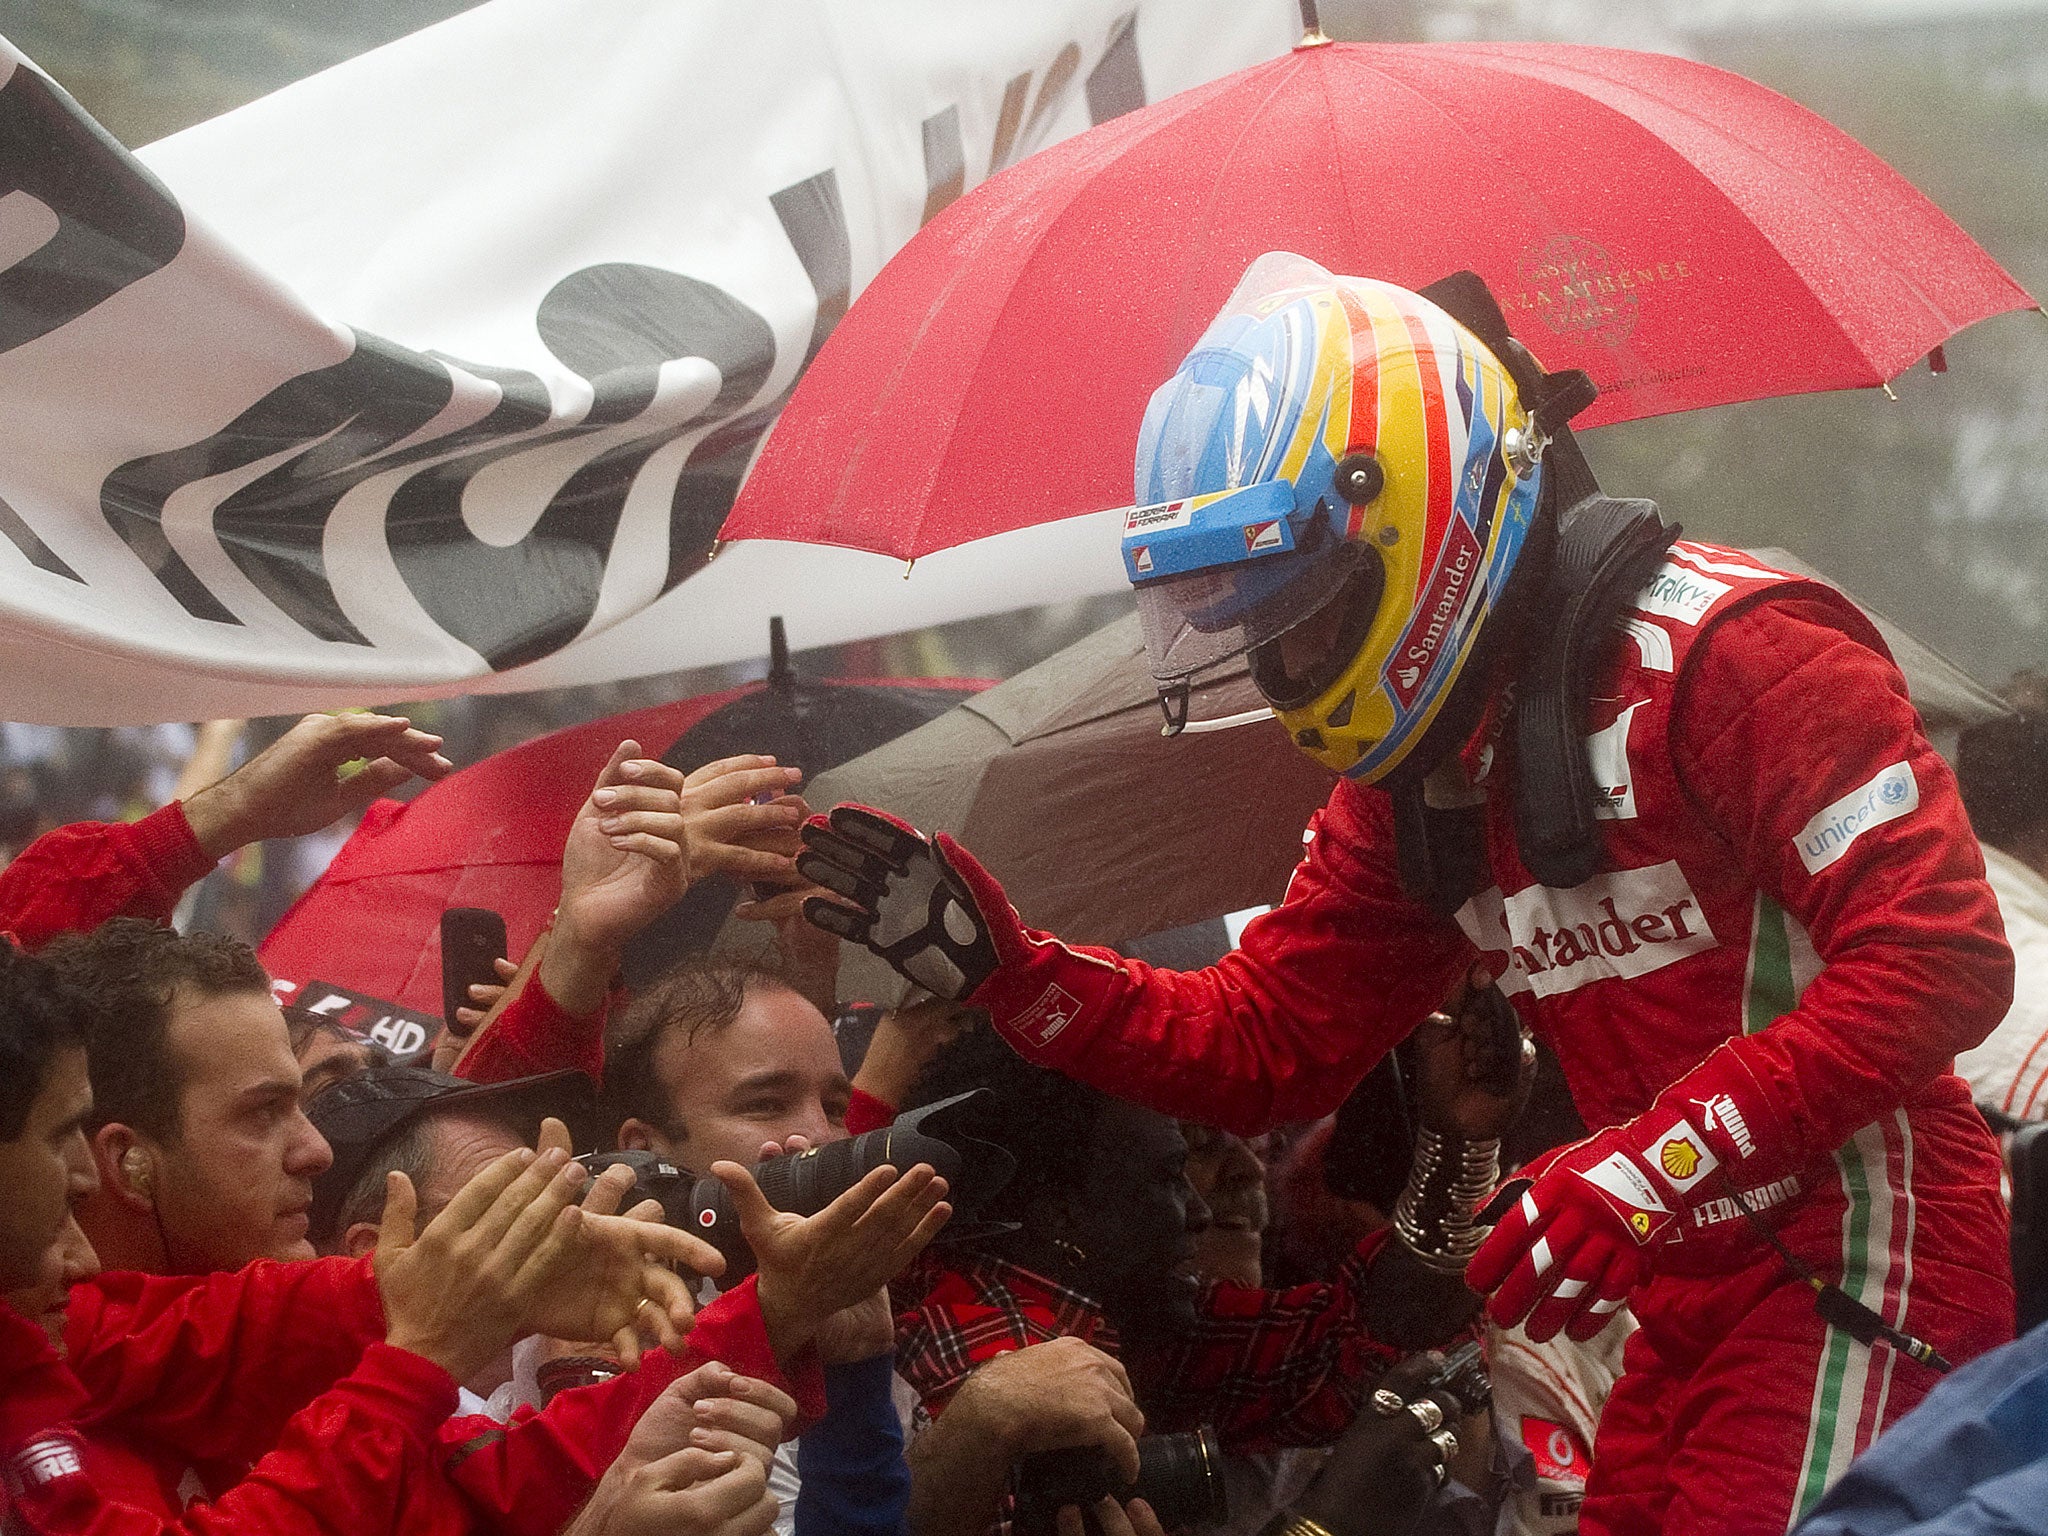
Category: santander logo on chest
[1623,923]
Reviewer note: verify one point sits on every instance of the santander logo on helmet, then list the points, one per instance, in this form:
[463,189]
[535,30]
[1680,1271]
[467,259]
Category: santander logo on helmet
[1337,484]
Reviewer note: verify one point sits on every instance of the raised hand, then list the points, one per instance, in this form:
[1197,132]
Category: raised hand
[690,1492]
[741,816]
[483,997]
[512,1255]
[1475,1062]
[713,1408]
[814,1266]
[624,861]
[923,905]
[617,1283]
[1050,1396]
[906,1041]
[1390,1463]
[296,785]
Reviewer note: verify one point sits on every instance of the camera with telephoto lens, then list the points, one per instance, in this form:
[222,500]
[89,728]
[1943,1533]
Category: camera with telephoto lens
[807,1182]
[1180,1476]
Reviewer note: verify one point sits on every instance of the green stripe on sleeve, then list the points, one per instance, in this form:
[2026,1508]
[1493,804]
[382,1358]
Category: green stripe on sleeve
[1767,993]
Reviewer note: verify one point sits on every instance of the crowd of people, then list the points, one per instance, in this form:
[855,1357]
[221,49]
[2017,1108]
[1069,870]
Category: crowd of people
[1316,1241]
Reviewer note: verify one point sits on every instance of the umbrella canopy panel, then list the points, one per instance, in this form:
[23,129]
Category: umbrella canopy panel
[1100,828]
[1686,236]
[491,834]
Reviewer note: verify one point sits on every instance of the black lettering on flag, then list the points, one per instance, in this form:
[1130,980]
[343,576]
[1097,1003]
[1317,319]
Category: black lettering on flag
[1116,84]
[814,218]
[24,538]
[335,427]
[616,325]
[945,162]
[1052,95]
[116,223]
[342,416]
[1008,119]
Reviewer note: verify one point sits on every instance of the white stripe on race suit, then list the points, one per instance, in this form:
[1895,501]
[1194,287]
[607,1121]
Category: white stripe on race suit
[1720,567]
[1905,1261]
[1652,643]
[1873,1232]
[1567,1289]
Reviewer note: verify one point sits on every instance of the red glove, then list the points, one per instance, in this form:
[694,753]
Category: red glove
[1581,1237]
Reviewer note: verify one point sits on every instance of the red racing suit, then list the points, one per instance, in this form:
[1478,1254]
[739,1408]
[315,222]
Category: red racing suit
[1791,888]
[269,1391]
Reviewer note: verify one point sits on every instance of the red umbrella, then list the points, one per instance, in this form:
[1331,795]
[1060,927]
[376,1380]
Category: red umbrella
[490,835]
[1682,234]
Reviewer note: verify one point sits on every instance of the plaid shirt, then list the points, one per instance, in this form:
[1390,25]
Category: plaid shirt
[1266,1368]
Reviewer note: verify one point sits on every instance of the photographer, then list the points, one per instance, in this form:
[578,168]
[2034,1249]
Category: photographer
[1102,1252]
[725,1061]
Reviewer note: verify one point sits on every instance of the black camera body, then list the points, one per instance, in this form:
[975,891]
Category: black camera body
[1460,1385]
[807,1182]
[1180,1476]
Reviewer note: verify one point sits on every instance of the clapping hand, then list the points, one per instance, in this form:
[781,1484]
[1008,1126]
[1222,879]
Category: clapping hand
[814,1266]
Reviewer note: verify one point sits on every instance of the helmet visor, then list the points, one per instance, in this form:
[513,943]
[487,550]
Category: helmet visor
[1201,619]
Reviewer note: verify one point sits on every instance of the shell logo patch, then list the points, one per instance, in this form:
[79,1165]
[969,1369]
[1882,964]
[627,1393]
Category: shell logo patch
[1680,1158]
[1683,1154]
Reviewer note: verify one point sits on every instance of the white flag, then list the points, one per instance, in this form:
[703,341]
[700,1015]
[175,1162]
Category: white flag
[436,372]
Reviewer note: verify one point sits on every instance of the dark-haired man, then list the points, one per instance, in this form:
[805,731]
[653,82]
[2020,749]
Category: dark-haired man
[205,1159]
[45,1165]
[719,1057]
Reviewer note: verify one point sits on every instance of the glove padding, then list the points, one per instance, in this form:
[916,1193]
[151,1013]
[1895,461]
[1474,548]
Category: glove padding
[1582,1235]
[1566,1255]
[916,902]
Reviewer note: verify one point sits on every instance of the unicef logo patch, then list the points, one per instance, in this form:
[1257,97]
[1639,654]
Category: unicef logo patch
[1892,791]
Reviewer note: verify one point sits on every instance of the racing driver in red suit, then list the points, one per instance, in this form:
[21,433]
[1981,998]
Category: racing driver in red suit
[1678,801]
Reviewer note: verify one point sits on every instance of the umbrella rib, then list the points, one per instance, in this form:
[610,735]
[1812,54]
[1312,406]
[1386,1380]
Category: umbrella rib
[1281,79]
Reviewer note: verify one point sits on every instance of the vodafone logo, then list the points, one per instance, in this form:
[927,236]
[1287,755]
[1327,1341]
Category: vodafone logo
[1556,1451]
